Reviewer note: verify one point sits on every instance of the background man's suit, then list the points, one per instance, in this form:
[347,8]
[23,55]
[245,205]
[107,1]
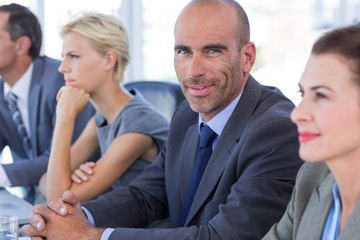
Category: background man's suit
[45,83]
[309,207]
[245,188]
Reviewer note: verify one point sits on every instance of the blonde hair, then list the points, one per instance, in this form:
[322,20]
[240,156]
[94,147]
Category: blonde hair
[106,32]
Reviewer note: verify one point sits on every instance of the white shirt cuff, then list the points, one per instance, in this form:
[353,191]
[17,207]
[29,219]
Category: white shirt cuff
[106,234]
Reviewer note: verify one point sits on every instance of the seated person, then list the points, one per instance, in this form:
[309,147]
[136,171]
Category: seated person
[33,81]
[229,165]
[326,200]
[128,130]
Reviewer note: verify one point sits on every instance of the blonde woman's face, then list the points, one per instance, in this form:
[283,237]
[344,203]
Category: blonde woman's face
[82,65]
[328,117]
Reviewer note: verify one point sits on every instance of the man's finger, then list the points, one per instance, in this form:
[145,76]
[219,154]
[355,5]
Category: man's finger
[41,214]
[31,231]
[58,206]
[70,198]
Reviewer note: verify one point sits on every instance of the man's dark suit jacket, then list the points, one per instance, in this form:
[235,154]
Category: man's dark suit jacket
[245,187]
[45,83]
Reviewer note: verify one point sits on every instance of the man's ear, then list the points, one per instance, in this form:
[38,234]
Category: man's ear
[22,45]
[248,56]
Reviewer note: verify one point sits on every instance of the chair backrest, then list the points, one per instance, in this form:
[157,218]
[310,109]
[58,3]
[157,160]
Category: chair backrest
[164,95]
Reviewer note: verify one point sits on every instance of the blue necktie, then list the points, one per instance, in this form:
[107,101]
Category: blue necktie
[19,123]
[204,152]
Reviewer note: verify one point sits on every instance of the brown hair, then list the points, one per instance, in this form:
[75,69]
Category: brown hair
[22,22]
[345,42]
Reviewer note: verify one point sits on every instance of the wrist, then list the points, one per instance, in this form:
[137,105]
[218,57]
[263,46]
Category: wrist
[95,233]
[65,118]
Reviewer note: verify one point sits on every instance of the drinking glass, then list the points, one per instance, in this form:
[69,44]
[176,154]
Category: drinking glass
[8,227]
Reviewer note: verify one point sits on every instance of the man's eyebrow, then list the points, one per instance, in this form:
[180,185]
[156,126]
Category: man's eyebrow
[206,47]
[182,47]
[216,46]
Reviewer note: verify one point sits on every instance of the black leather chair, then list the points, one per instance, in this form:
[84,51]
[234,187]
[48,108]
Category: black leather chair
[164,95]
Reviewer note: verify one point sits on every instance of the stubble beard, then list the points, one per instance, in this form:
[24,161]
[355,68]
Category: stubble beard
[204,105]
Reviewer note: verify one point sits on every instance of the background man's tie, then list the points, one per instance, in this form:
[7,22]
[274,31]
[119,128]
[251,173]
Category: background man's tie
[19,123]
[204,152]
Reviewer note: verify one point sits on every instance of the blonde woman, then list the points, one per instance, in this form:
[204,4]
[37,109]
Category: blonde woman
[126,128]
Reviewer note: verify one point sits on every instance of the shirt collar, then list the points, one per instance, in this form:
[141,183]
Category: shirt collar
[218,122]
[331,229]
[22,86]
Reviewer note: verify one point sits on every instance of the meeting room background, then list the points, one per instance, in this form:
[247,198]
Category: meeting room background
[283,31]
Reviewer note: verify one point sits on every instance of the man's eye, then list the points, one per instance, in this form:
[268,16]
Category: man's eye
[214,52]
[182,51]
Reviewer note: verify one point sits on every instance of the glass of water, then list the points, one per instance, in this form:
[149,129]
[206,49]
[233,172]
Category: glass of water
[9,227]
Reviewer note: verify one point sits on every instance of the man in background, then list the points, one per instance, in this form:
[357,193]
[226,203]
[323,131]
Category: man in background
[28,87]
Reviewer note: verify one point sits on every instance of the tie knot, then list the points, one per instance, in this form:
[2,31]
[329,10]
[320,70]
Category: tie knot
[207,136]
[11,97]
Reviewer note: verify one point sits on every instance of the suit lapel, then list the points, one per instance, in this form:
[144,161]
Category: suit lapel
[34,101]
[188,158]
[225,147]
[217,163]
[4,110]
[317,210]
[351,227]
[8,122]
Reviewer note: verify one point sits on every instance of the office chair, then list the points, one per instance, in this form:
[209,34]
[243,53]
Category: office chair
[164,95]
